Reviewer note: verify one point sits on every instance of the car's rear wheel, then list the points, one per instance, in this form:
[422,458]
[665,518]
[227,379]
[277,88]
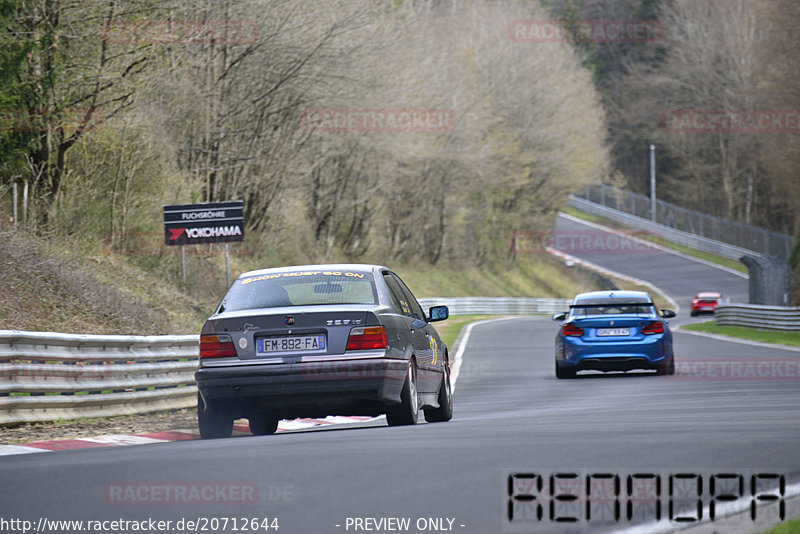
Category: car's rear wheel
[212,425]
[263,424]
[407,412]
[445,410]
[564,372]
[667,367]
[693,313]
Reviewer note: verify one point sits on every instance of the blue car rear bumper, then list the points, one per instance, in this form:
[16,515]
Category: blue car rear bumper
[647,353]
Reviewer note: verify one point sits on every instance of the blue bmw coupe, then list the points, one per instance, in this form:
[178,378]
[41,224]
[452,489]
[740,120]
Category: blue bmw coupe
[613,331]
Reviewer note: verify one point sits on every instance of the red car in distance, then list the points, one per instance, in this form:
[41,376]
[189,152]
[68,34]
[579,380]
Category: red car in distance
[705,302]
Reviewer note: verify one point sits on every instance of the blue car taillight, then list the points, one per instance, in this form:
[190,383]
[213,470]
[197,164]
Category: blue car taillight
[655,327]
[570,329]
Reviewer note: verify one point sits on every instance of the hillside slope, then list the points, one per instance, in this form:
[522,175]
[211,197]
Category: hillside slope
[85,288]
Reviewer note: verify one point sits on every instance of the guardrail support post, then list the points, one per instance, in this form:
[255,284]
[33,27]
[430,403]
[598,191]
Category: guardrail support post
[227,269]
[653,183]
[14,189]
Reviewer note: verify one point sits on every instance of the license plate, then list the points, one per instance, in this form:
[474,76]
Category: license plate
[613,331]
[269,345]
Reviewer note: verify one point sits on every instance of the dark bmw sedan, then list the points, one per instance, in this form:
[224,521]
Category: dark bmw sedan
[320,340]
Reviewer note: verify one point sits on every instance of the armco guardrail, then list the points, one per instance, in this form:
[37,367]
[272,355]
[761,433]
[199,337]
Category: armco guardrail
[497,305]
[763,317]
[670,234]
[737,234]
[46,376]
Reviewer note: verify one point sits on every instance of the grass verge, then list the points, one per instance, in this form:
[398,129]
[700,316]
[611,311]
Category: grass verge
[450,329]
[791,526]
[535,275]
[765,336]
[699,254]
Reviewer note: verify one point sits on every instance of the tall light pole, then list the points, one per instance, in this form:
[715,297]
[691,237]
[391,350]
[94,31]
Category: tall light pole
[653,183]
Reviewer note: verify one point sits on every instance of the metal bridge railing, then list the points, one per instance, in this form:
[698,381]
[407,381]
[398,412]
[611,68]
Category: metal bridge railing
[676,236]
[734,233]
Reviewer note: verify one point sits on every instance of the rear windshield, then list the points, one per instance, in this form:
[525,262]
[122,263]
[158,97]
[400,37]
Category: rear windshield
[301,288]
[634,306]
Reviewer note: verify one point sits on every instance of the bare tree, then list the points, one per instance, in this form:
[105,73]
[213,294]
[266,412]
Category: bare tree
[710,66]
[75,80]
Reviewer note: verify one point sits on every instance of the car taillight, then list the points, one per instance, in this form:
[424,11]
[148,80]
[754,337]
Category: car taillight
[654,327]
[570,329]
[220,346]
[367,337]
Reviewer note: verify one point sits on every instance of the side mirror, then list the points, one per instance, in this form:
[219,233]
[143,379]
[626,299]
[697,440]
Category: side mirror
[668,314]
[560,316]
[438,313]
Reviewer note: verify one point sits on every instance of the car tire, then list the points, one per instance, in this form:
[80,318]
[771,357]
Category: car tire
[667,367]
[263,424]
[407,412]
[212,425]
[564,372]
[445,410]
[694,314]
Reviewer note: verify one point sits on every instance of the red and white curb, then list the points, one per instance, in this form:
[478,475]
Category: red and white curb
[115,440]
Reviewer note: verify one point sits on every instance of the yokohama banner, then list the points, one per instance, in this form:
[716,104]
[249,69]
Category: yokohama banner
[213,222]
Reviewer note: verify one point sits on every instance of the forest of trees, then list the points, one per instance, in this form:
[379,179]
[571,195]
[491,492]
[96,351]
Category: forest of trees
[109,110]
[715,55]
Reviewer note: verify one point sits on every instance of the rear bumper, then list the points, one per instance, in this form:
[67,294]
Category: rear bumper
[648,353]
[305,389]
[612,363]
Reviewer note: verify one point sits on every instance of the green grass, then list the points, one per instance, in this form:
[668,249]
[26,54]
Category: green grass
[699,254]
[591,217]
[707,256]
[535,275]
[787,527]
[766,336]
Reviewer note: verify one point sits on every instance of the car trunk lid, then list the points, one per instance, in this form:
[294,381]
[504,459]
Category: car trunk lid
[284,335]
